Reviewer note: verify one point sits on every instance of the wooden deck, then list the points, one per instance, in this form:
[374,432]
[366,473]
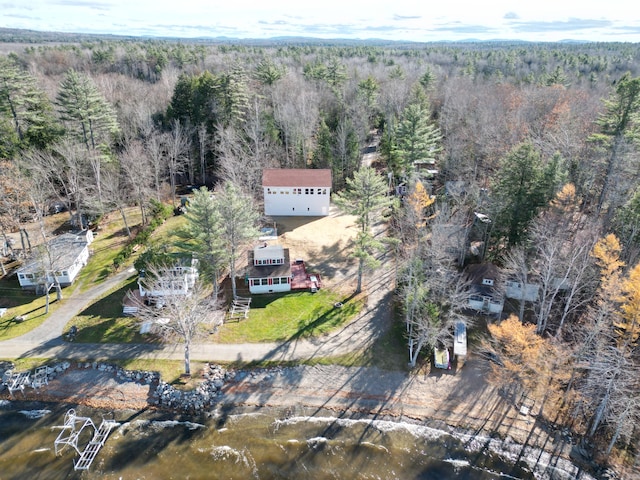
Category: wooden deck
[301,279]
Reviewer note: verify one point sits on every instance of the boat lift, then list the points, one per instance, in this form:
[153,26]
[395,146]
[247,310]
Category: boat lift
[70,435]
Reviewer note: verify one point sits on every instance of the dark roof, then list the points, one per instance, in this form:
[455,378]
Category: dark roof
[476,272]
[265,271]
[296,177]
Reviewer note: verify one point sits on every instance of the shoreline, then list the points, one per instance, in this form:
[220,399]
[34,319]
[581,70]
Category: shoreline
[463,405]
[542,464]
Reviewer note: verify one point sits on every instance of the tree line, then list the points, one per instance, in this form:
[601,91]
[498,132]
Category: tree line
[524,155]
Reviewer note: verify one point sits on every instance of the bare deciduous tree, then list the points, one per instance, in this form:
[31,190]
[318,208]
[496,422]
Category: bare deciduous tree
[178,315]
[176,146]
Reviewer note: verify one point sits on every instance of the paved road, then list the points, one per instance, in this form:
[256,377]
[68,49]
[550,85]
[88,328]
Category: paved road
[46,341]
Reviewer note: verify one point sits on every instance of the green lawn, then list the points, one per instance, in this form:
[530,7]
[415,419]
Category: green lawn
[272,318]
[103,322]
[22,303]
[111,237]
[290,315]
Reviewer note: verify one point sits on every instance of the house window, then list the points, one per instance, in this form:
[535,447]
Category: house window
[284,280]
[324,191]
[268,191]
[21,275]
[487,281]
[306,191]
[276,281]
[29,275]
[264,281]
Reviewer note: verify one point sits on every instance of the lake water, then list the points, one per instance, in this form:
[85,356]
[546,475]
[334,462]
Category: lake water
[263,444]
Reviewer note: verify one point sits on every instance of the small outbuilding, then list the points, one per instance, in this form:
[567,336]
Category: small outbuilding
[296,191]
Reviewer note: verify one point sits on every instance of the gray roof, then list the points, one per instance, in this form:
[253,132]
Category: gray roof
[64,249]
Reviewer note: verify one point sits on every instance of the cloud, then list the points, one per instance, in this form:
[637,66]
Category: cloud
[568,25]
[274,23]
[380,28]
[626,30]
[407,17]
[325,29]
[15,5]
[511,16]
[15,15]
[196,29]
[458,27]
[84,3]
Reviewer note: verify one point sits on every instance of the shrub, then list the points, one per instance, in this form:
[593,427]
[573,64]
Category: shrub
[159,213]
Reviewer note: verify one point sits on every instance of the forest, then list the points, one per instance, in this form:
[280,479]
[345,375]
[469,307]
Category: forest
[522,155]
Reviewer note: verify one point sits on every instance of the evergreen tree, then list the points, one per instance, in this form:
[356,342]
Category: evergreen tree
[323,155]
[181,106]
[522,187]
[366,198]
[368,90]
[238,220]
[200,236]
[417,140]
[88,115]
[268,72]
[619,127]
[26,115]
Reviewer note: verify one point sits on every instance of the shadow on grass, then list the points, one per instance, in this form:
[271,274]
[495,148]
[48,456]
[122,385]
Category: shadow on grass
[103,321]
[325,320]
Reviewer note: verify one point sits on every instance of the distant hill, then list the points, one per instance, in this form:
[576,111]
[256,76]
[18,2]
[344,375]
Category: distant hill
[17,35]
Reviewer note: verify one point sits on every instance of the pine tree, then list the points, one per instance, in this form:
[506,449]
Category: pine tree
[200,236]
[268,72]
[323,155]
[238,220]
[417,140]
[522,187]
[88,115]
[618,125]
[25,109]
[366,198]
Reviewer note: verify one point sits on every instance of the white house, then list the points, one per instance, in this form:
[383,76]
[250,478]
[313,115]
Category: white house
[269,269]
[177,280]
[68,253]
[296,191]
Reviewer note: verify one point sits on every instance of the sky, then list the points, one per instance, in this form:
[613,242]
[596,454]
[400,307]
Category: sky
[406,20]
